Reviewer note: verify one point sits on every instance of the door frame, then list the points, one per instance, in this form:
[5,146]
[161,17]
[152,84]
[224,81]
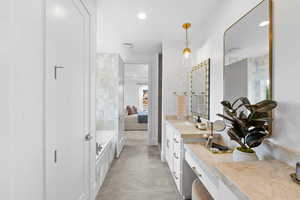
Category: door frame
[152,130]
[153,110]
[153,78]
[92,12]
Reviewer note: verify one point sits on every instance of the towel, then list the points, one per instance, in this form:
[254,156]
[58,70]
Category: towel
[181,106]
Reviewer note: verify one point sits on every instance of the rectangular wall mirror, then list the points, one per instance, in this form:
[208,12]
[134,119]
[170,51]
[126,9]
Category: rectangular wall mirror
[200,90]
[248,56]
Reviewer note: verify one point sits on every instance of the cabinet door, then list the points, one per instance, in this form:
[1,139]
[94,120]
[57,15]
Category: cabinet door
[67,100]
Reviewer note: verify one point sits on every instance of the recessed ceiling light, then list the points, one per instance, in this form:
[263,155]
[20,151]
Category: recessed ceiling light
[142,16]
[264,23]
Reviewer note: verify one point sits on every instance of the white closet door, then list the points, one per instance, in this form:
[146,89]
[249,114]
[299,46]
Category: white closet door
[67,100]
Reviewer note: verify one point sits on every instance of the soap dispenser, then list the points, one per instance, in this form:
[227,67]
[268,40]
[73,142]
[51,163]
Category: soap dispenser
[199,119]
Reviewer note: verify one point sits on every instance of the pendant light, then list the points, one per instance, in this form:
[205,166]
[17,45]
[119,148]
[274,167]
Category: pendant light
[187,51]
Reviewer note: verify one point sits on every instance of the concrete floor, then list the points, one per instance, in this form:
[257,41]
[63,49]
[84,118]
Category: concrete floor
[138,174]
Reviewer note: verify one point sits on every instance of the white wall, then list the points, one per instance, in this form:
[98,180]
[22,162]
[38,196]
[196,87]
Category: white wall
[175,78]
[132,93]
[21,102]
[5,136]
[26,64]
[175,75]
[285,69]
[153,101]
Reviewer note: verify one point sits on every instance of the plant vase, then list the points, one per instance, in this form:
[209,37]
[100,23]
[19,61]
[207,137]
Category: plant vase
[239,155]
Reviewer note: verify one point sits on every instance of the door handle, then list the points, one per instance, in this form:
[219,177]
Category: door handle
[55,70]
[176,177]
[175,156]
[195,171]
[55,156]
[88,137]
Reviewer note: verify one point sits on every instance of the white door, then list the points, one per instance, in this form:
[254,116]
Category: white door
[67,100]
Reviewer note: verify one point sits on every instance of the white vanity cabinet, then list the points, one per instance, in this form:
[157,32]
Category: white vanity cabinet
[174,156]
[184,166]
[169,146]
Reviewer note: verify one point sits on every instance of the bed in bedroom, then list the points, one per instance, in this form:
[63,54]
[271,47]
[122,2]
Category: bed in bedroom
[136,122]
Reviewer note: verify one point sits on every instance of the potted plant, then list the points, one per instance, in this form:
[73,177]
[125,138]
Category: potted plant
[248,125]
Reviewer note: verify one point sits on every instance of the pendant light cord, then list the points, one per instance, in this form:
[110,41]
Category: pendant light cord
[186,37]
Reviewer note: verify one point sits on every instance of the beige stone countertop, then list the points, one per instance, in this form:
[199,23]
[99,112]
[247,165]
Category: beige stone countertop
[188,129]
[256,180]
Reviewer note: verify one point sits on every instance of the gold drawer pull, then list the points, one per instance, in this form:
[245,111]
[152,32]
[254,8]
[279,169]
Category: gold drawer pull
[195,171]
[174,173]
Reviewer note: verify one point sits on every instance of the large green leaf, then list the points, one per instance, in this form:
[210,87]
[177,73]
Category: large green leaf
[226,117]
[229,112]
[244,101]
[255,137]
[240,122]
[256,124]
[258,115]
[263,106]
[243,116]
[233,136]
[239,130]
[248,127]
[227,104]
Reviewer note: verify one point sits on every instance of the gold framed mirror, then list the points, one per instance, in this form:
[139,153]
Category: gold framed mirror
[248,56]
[200,90]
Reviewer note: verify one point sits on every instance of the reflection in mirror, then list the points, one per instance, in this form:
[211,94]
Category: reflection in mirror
[247,68]
[200,90]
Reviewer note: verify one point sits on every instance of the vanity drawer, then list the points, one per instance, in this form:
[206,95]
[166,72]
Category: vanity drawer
[176,146]
[176,137]
[176,162]
[177,141]
[202,175]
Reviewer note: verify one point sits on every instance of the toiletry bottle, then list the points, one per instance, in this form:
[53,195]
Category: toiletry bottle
[199,119]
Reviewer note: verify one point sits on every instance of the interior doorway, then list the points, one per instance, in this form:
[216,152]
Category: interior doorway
[136,100]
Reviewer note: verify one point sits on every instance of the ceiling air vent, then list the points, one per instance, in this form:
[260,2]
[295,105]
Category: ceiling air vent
[127,45]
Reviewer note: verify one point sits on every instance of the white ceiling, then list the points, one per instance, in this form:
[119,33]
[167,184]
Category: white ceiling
[118,23]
